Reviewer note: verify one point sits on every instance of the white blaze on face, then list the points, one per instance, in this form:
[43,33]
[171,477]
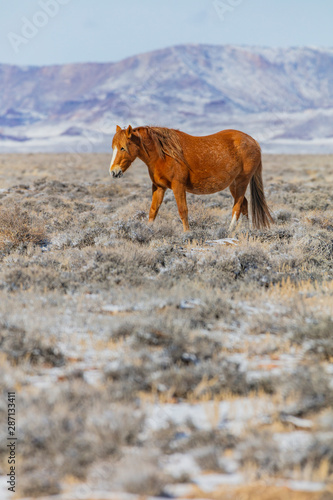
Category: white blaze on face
[113,157]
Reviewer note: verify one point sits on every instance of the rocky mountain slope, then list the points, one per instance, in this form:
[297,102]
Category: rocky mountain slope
[284,97]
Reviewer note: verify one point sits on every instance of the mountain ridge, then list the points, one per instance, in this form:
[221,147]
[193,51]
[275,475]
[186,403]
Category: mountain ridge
[284,97]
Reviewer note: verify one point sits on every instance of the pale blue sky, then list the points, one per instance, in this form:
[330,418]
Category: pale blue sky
[107,30]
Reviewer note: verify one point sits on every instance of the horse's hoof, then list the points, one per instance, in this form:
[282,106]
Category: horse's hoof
[188,236]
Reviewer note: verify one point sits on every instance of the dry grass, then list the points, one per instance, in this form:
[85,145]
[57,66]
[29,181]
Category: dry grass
[18,227]
[103,317]
[262,491]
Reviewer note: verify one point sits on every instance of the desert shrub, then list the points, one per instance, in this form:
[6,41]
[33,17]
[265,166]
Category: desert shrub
[180,382]
[316,338]
[222,232]
[86,238]
[321,219]
[222,376]
[19,227]
[268,452]
[189,350]
[282,215]
[260,450]
[166,228]
[214,441]
[200,216]
[179,372]
[140,475]
[307,389]
[278,233]
[19,346]
[196,234]
[123,329]
[135,230]
[321,450]
[125,380]
[40,483]
[252,258]
[318,201]
[182,267]
[172,331]
[76,427]
[152,336]
[40,279]
[228,267]
[204,223]
[318,246]
[126,260]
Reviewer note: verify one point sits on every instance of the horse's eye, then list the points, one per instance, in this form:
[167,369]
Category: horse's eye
[122,149]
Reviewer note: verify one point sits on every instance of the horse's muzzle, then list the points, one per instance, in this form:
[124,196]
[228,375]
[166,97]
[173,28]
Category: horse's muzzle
[117,172]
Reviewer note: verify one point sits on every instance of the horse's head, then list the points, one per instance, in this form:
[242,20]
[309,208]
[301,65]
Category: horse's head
[125,150]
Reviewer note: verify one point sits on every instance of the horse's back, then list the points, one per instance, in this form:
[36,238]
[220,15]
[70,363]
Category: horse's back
[224,138]
[228,145]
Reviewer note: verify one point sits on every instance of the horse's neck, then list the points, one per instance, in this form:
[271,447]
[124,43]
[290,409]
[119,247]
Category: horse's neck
[148,153]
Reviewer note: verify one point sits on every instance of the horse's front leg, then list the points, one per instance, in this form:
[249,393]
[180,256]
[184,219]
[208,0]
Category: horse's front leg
[180,195]
[158,195]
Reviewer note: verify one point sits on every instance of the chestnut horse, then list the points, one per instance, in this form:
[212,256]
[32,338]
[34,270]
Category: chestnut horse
[199,165]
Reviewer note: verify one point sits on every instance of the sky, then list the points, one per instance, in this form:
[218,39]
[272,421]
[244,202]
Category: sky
[44,32]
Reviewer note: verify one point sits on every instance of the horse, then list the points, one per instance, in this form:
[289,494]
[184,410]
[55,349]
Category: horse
[193,164]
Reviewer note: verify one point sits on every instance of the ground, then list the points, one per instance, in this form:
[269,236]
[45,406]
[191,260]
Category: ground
[147,361]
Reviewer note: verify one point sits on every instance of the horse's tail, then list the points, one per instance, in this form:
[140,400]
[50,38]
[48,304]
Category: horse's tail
[261,216]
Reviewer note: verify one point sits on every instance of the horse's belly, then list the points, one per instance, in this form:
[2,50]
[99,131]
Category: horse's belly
[208,185]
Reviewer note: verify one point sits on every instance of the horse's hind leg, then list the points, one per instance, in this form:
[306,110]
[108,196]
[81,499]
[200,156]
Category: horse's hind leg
[245,211]
[238,189]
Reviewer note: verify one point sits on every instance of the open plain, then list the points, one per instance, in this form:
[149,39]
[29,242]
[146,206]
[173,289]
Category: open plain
[149,362]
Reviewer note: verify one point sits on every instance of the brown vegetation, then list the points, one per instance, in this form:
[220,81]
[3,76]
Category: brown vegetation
[18,228]
[133,344]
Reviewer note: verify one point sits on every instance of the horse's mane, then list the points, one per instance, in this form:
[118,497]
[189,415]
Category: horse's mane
[166,142]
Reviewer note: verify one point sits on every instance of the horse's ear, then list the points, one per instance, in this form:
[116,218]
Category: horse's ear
[129,131]
[118,128]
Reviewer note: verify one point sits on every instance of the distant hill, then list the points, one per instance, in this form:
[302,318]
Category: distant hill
[283,97]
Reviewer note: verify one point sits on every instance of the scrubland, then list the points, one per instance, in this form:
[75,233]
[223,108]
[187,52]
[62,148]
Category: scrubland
[148,362]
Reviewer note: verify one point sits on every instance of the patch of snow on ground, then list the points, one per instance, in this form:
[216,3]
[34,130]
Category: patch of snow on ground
[209,482]
[232,415]
[4,493]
